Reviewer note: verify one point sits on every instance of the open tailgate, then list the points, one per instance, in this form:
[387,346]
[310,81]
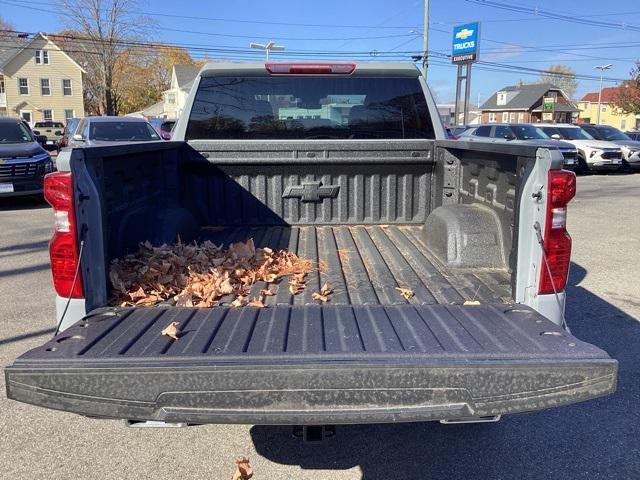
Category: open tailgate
[311,365]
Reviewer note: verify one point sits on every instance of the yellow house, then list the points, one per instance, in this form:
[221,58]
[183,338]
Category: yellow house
[38,81]
[609,113]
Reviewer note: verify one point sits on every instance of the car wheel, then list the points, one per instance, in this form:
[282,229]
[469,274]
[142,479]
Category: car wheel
[583,166]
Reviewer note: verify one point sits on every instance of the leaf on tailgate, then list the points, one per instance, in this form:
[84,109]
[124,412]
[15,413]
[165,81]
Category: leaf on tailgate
[171,331]
[323,295]
[295,289]
[471,302]
[265,292]
[256,302]
[239,302]
[406,292]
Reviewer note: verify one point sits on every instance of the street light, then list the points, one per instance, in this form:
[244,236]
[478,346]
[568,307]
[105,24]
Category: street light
[602,68]
[268,47]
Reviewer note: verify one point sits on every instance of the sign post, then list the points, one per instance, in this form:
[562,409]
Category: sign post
[465,50]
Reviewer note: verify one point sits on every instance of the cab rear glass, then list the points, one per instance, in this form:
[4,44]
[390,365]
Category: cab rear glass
[309,107]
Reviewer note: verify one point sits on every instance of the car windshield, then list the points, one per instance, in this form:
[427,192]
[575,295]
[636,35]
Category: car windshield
[14,132]
[122,132]
[573,133]
[71,125]
[528,132]
[610,133]
[309,107]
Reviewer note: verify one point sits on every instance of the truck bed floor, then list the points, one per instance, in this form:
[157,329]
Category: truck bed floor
[364,265]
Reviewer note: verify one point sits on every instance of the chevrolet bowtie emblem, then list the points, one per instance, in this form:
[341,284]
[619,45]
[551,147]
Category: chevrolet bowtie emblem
[311,191]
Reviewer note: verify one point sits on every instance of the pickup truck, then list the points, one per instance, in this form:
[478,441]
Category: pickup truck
[346,165]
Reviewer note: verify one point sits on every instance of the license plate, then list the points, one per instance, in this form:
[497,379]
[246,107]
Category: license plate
[6,187]
[570,161]
[49,142]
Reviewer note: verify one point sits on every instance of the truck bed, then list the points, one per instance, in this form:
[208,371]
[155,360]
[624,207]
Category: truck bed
[364,265]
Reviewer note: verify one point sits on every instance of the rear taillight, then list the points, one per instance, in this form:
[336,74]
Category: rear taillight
[557,242]
[310,68]
[63,246]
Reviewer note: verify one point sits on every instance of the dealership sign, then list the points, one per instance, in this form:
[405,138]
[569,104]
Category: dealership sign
[466,43]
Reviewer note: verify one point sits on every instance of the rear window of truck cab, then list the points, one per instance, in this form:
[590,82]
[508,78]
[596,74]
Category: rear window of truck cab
[308,108]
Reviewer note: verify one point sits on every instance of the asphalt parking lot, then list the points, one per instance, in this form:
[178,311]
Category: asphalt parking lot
[593,440]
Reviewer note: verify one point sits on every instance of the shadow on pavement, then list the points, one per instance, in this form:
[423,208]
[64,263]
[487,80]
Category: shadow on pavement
[29,202]
[25,336]
[24,270]
[591,440]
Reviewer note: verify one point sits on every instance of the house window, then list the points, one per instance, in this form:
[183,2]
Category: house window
[47,115]
[42,57]
[623,124]
[505,117]
[501,98]
[171,98]
[512,117]
[23,86]
[68,115]
[521,117]
[45,87]
[603,108]
[492,117]
[2,85]
[66,87]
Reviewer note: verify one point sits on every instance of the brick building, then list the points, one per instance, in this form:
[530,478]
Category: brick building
[523,104]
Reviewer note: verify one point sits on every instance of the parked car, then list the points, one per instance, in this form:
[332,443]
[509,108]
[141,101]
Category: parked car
[52,131]
[593,155]
[68,132]
[23,161]
[633,135]
[111,129]
[630,148]
[443,308]
[454,131]
[163,127]
[523,133]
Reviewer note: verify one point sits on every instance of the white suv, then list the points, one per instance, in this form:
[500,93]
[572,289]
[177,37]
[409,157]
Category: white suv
[596,155]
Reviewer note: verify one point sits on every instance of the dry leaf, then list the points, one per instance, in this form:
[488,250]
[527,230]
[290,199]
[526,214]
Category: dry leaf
[406,292]
[243,469]
[239,302]
[171,331]
[323,295]
[256,302]
[471,302]
[295,289]
[265,292]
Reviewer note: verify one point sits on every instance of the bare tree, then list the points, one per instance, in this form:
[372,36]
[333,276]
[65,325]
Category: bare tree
[627,96]
[561,76]
[105,31]
[5,29]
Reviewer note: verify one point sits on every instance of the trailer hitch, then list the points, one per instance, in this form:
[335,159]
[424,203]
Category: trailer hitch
[314,433]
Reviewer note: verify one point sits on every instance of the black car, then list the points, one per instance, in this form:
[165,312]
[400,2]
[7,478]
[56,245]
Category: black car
[23,161]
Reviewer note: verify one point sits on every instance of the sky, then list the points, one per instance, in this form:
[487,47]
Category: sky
[386,30]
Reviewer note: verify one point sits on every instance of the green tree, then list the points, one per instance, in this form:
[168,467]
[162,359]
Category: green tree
[561,76]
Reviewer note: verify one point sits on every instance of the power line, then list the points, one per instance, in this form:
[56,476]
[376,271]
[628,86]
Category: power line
[556,15]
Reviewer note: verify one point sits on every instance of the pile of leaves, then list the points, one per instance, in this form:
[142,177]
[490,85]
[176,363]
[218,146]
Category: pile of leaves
[201,274]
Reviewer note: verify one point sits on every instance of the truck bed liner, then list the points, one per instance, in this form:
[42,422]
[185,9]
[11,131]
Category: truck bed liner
[365,264]
[311,364]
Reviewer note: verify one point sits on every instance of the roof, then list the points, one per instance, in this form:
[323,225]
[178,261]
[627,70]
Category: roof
[11,46]
[389,69]
[112,118]
[527,95]
[607,95]
[185,74]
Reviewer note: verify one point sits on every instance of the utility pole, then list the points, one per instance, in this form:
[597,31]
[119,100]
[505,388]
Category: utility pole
[602,68]
[425,47]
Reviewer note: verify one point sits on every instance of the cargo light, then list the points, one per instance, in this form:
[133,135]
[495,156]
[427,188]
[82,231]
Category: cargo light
[63,246]
[310,68]
[557,242]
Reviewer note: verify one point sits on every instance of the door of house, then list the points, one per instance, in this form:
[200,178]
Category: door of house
[26,115]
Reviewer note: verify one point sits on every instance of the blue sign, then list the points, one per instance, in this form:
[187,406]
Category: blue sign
[466,43]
